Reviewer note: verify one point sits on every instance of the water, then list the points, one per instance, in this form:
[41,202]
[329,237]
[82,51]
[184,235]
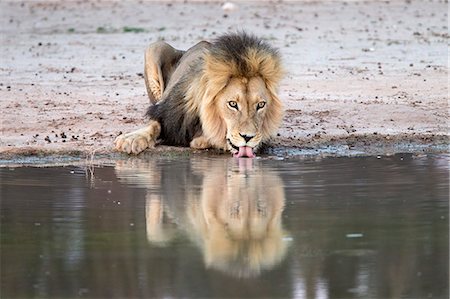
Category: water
[216,227]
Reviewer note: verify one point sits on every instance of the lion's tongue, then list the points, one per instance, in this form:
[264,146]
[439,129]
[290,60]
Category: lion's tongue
[245,151]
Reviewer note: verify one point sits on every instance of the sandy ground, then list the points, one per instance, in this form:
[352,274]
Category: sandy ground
[359,73]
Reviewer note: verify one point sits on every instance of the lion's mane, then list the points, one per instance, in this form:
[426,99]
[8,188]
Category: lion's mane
[189,109]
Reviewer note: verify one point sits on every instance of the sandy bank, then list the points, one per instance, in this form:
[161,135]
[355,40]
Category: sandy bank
[365,76]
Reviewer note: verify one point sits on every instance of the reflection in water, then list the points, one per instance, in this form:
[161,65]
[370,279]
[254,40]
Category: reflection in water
[213,228]
[234,217]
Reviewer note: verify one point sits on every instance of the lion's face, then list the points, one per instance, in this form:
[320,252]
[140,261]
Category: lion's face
[236,94]
[237,217]
[243,104]
[248,111]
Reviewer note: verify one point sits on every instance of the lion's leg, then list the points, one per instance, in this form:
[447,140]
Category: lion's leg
[160,61]
[200,142]
[139,140]
[153,217]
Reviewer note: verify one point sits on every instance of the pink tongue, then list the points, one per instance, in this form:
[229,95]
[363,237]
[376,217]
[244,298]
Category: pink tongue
[245,151]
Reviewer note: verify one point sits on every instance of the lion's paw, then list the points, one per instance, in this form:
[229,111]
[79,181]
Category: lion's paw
[133,143]
[200,143]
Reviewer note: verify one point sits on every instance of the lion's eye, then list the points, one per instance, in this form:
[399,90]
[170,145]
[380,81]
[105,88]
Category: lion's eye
[233,104]
[261,105]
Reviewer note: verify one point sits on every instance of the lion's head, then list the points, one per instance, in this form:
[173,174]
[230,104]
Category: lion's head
[231,208]
[237,217]
[239,106]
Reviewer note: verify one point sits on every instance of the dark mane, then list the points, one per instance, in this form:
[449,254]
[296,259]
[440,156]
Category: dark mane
[232,47]
[177,126]
[231,55]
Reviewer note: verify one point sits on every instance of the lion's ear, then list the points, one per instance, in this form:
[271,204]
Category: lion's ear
[160,60]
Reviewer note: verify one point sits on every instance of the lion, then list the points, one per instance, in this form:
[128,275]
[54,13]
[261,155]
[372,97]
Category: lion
[230,208]
[219,95]
[237,219]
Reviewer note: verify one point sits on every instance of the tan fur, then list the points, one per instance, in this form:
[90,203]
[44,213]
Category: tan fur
[219,122]
[139,140]
[159,60]
[200,142]
[208,90]
[237,222]
[207,96]
[234,215]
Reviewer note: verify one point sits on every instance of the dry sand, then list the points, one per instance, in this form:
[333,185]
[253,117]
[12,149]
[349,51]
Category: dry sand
[360,74]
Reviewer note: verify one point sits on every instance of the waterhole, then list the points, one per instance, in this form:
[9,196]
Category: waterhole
[208,227]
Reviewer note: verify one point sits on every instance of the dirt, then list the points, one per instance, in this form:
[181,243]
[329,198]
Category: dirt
[371,74]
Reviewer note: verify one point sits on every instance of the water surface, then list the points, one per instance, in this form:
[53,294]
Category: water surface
[217,227]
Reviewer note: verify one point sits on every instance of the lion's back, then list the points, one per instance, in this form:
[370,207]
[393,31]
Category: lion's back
[188,67]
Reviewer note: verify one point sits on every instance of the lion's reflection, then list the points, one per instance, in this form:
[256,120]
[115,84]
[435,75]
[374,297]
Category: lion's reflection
[231,209]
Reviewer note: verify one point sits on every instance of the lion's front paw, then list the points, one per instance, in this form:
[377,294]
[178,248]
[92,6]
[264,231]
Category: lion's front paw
[133,143]
[200,143]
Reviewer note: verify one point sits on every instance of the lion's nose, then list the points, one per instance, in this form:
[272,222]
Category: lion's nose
[246,137]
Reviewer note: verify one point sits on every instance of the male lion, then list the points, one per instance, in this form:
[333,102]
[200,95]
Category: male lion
[230,208]
[220,94]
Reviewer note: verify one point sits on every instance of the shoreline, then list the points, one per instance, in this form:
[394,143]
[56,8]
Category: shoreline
[374,146]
